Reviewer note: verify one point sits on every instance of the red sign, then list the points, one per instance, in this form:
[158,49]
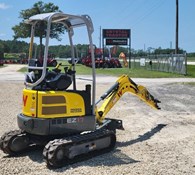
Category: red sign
[116,33]
[116,41]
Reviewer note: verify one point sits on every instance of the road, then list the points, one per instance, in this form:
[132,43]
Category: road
[10,73]
[190,63]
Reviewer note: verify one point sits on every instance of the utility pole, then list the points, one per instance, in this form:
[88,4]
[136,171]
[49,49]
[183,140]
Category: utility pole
[100,38]
[177,28]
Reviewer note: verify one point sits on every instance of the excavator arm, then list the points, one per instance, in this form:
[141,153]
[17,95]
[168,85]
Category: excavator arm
[123,84]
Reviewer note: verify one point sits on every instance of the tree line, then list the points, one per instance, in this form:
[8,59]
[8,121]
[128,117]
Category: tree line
[81,50]
[61,51]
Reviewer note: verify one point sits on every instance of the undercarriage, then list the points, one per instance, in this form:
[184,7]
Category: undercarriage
[61,150]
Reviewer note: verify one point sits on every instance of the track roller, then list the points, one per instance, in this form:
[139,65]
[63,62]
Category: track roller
[61,152]
[13,142]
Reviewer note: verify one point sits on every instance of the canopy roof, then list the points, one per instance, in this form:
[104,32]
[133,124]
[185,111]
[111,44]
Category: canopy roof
[58,17]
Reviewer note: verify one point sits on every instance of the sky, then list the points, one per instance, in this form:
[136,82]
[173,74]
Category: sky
[152,22]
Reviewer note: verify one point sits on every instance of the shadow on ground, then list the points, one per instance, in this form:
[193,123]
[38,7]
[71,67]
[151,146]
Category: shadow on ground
[144,137]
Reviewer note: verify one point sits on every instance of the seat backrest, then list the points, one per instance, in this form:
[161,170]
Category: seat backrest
[60,82]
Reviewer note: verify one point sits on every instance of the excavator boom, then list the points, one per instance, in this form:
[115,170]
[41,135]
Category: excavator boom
[123,84]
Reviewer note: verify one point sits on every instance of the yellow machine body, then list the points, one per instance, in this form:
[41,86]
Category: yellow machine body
[52,104]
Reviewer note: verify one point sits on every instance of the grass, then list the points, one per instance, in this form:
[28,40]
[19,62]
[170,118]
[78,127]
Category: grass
[191,58]
[2,66]
[191,71]
[134,72]
[24,69]
[184,83]
[189,83]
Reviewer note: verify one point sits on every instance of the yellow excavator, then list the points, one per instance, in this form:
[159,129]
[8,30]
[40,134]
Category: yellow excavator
[56,115]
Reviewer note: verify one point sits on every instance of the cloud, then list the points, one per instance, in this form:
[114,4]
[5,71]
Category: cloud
[3,6]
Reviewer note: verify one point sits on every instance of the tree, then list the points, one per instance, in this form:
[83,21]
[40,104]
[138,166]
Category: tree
[1,50]
[23,30]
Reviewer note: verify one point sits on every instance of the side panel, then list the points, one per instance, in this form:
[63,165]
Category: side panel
[56,112]
[57,104]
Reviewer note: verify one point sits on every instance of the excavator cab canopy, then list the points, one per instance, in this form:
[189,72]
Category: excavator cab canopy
[57,17]
[70,22]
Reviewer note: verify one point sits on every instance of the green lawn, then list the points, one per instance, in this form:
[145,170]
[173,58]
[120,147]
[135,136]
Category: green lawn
[134,72]
[191,58]
[2,66]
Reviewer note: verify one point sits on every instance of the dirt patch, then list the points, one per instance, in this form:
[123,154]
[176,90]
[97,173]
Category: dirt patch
[154,141]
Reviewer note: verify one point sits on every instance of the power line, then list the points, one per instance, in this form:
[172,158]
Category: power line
[117,15]
[148,12]
[133,7]
[136,10]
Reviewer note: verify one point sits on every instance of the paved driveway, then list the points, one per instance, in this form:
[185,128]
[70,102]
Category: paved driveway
[10,72]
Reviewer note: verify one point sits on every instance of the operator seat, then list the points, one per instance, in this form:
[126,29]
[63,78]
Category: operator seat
[54,79]
[59,81]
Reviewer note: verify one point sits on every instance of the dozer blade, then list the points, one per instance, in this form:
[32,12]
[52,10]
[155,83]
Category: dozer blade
[62,152]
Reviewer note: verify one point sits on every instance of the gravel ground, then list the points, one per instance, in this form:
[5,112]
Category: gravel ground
[155,142]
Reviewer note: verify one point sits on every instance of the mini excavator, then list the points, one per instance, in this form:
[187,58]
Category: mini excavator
[66,121]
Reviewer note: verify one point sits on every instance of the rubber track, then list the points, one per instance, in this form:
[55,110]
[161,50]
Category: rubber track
[5,140]
[49,150]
